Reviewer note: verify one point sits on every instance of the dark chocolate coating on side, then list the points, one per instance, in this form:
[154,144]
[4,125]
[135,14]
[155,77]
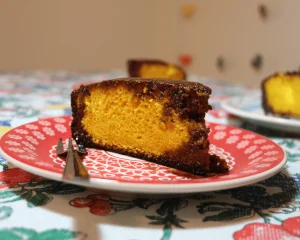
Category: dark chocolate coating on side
[134,66]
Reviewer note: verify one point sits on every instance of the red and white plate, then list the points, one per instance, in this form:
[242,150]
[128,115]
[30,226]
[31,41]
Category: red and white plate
[251,158]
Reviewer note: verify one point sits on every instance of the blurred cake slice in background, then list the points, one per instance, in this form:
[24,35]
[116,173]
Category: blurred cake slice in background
[147,68]
[281,95]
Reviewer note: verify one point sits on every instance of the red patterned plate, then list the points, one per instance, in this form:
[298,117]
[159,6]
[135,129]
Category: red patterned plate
[251,158]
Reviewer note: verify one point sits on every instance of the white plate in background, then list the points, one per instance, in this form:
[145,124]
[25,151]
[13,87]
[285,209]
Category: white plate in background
[249,107]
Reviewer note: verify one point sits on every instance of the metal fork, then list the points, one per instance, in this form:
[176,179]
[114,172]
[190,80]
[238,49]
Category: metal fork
[74,167]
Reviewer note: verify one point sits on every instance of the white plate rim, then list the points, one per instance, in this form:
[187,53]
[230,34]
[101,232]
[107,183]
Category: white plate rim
[225,104]
[148,188]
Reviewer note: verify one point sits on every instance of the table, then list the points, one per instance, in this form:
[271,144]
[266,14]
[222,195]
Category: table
[35,208]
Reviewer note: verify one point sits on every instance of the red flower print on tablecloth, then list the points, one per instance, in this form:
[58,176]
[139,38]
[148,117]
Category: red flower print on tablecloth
[12,177]
[289,229]
[101,204]
[17,185]
[292,225]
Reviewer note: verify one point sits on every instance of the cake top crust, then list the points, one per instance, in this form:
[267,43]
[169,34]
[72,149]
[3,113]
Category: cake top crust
[155,82]
[134,65]
[278,74]
[188,99]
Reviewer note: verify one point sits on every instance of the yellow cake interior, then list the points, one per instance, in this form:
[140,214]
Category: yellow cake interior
[116,117]
[283,94]
[160,71]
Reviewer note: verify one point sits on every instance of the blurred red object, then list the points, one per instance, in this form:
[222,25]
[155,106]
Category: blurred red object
[185,59]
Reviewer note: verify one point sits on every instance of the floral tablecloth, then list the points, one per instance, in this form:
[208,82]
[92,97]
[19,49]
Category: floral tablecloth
[32,207]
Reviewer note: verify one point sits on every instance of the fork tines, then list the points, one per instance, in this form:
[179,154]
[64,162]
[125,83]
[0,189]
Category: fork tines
[74,167]
[60,150]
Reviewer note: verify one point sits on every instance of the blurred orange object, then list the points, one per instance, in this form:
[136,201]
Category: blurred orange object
[187,10]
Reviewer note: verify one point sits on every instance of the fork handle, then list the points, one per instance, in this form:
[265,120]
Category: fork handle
[69,171]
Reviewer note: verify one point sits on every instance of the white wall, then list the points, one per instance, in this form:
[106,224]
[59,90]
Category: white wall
[95,34]
[75,34]
[233,28]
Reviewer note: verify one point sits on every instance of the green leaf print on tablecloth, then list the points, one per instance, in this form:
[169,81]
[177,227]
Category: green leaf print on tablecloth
[104,205]
[38,193]
[166,216]
[39,199]
[289,143]
[20,185]
[291,148]
[13,196]
[30,234]
[227,212]
[293,157]
[5,212]
[265,199]
[256,200]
